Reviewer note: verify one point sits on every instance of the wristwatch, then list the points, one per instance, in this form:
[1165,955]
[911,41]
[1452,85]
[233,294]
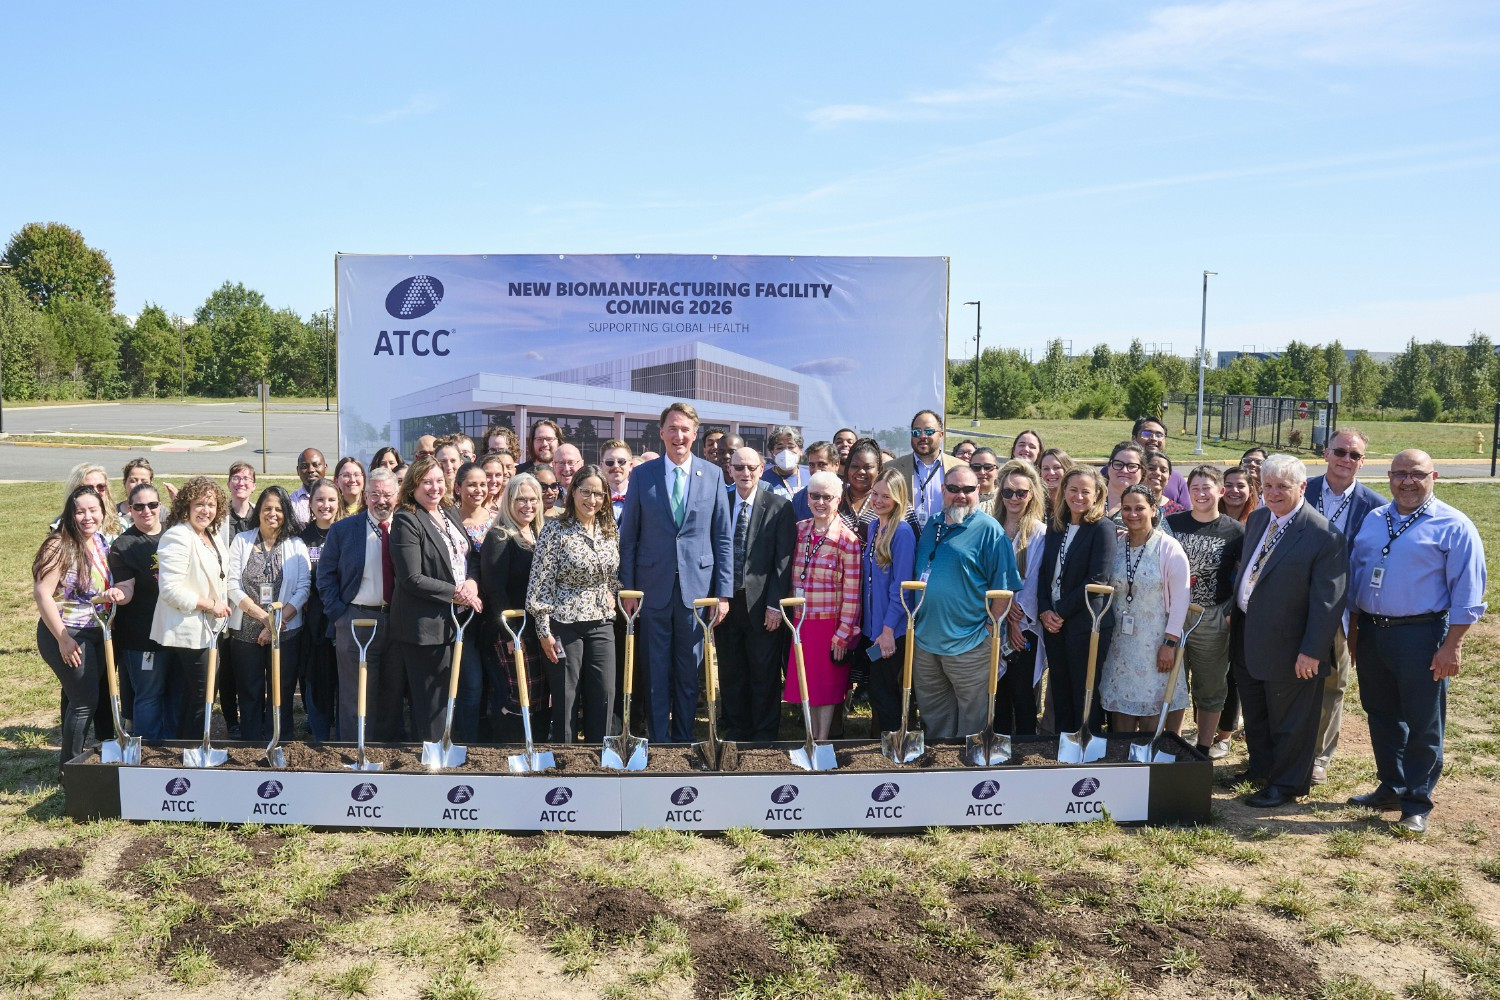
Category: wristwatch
[1170,642]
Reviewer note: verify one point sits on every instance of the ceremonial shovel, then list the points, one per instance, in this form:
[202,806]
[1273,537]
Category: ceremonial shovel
[625,752]
[205,755]
[986,748]
[275,756]
[360,762]
[1141,752]
[436,756]
[124,748]
[1083,747]
[810,756]
[906,745]
[717,754]
[531,760]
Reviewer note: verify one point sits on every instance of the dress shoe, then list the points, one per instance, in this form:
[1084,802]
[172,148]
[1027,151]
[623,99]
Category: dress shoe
[1269,798]
[1232,779]
[1380,799]
[1413,823]
[1319,774]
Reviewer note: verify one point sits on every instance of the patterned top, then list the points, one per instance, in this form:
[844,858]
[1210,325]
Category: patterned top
[261,568]
[825,570]
[74,594]
[574,576]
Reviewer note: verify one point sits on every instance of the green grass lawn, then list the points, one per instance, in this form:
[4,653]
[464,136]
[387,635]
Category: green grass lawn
[1095,438]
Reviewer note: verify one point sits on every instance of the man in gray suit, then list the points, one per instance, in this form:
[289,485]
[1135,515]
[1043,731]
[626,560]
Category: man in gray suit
[926,466]
[1289,596]
[675,545]
[751,641]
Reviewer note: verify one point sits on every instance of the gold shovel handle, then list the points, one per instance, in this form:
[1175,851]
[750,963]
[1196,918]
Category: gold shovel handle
[276,607]
[789,605]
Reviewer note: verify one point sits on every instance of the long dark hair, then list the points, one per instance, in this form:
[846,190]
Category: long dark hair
[285,532]
[67,547]
[570,503]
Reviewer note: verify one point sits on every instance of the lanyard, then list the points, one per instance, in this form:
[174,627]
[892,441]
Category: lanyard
[1130,570]
[273,558]
[796,478]
[812,549]
[1395,532]
[921,488]
[1062,550]
[1342,504]
[937,542]
[1270,543]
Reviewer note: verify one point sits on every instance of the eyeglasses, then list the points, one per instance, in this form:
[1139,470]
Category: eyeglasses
[610,463]
[1409,477]
[550,487]
[986,467]
[1008,494]
[1348,453]
[242,479]
[923,431]
[821,498]
[1119,466]
[955,488]
[1252,461]
[141,508]
[1152,435]
[738,467]
[591,494]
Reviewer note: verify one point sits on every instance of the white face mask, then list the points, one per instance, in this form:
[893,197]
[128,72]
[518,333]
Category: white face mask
[786,459]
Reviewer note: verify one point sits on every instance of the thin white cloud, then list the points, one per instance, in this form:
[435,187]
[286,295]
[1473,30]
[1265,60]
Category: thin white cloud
[1202,50]
[414,106]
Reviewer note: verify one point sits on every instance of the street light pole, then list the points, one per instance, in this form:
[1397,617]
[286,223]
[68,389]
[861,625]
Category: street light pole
[327,392]
[1202,358]
[3,267]
[182,350]
[978,311]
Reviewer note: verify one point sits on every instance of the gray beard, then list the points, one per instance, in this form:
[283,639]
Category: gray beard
[957,515]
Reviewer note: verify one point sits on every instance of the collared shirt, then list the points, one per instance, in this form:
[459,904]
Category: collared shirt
[669,474]
[1275,526]
[736,502]
[573,576]
[371,582]
[1336,506]
[617,500]
[971,558]
[827,574]
[926,488]
[301,513]
[1436,565]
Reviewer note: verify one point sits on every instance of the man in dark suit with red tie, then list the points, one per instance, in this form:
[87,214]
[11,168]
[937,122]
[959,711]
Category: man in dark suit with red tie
[751,641]
[1289,597]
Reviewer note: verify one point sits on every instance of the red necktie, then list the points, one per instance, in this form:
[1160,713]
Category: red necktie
[387,571]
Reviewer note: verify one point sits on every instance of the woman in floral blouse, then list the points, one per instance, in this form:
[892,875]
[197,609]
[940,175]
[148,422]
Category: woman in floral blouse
[571,601]
[825,570]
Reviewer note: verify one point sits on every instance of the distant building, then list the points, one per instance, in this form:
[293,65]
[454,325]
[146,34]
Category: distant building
[1226,358]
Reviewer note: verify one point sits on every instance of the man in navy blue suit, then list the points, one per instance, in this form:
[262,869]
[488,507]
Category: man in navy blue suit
[1344,501]
[676,546]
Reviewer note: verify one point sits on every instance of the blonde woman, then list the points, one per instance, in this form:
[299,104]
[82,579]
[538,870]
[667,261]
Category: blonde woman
[505,561]
[889,556]
[1018,507]
[89,474]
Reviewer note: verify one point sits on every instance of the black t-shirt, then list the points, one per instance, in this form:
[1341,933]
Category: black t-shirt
[1213,552]
[313,537]
[239,525]
[133,557]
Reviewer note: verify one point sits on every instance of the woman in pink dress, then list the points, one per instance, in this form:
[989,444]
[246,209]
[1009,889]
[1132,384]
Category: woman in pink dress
[825,570]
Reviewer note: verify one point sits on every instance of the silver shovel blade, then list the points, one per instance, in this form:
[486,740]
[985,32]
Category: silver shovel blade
[986,750]
[365,765]
[437,756]
[1162,757]
[1069,749]
[892,747]
[1140,753]
[126,751]
[624,753]
[823,758]
[276,757]
[201,757]
[531,761]
[1093,748]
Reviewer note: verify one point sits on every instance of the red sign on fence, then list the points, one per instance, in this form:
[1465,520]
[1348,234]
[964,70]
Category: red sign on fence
[1302,410]
[1247,407]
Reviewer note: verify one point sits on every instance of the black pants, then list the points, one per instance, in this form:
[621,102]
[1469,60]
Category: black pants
[750,661]
[1015,698]
[1281,722]
[80,685]
[188,669]
[252,680]
[885,687]
[426,670]
[584,677]
[229,703]
[1067,671]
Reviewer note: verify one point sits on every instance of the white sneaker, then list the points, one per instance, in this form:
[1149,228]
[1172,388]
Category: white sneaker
[1219,750]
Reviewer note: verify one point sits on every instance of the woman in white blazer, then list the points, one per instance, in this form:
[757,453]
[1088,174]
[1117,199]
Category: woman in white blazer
[267,563]
[192,567]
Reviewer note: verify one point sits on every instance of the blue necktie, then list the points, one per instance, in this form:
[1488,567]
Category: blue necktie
[679,507]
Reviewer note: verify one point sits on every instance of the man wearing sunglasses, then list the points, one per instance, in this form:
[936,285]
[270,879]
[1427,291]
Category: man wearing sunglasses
[962,553]
[132,561]
[926,466]
[1344,501]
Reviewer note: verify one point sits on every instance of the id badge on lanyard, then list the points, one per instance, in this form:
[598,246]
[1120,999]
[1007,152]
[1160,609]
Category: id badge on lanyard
[1377,577]
[265,594]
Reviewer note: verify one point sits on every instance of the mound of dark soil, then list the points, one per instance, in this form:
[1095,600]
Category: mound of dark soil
[45,863]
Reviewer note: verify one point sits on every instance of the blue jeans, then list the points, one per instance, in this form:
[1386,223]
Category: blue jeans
[157,696]
[1407,709]
[470,690]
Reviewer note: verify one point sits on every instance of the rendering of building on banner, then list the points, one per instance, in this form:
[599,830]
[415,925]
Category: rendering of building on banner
[622,398]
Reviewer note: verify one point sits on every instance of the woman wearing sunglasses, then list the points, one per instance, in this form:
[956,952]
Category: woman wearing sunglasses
[133,558]
[1020,513]
[986,466]
[546,481]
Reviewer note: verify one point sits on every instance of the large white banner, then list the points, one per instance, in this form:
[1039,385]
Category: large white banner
[602,343]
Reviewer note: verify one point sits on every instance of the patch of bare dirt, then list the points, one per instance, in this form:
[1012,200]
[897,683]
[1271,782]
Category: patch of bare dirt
[727,954]
[45,863]
[882,941]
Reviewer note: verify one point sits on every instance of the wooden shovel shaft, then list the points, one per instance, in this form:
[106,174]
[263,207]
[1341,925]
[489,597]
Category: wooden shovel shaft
[801,670]
[109,669]
[276,656]
[629,662]
[458,659]
[364,680]
[523,690]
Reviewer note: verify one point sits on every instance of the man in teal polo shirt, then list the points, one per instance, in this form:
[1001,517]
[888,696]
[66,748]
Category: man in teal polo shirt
[961,554]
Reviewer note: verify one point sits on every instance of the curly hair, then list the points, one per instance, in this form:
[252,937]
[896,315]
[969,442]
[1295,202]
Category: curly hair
[190,493]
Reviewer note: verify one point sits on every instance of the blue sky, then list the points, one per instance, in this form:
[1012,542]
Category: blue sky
[1337,161]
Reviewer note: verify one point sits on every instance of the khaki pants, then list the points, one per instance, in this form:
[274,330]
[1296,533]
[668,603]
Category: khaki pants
[952,691]
[1332,718]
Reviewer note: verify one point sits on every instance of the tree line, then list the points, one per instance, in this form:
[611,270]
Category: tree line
[1430,381]
[61,338]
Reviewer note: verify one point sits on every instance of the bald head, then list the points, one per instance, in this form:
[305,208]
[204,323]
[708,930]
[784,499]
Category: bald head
[1412,479]
[744,466]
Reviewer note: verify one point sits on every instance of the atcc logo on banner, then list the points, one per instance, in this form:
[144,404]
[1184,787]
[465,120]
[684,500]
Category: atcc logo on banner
[684,796]
[1083,788]
[781,795]
[267,791]
[458,795]
[177,788]
[415,296]
[557,797]
[885,792]
[362,793]
[982,793]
